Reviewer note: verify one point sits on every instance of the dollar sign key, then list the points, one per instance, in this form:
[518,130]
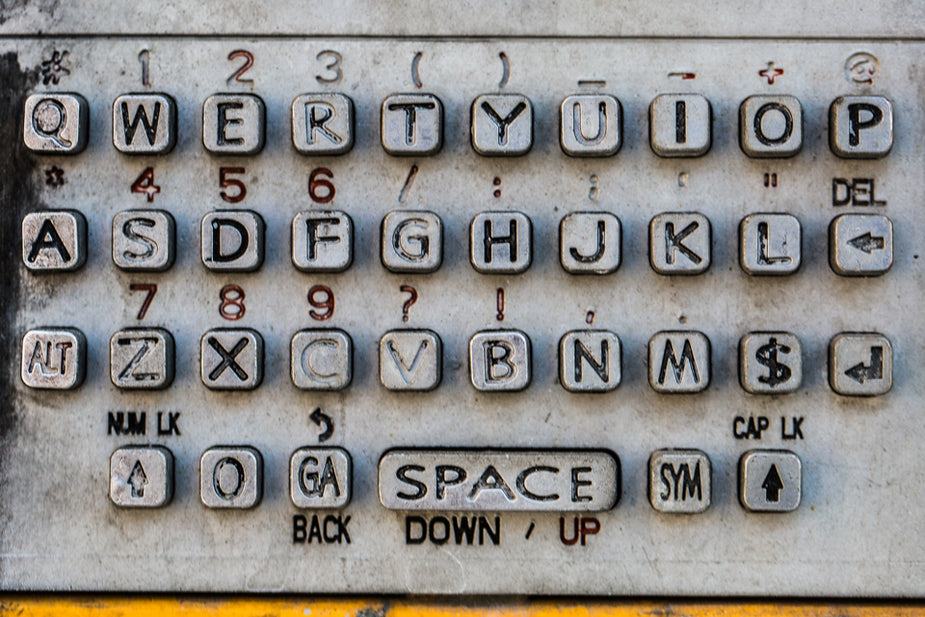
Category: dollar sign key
[766,355]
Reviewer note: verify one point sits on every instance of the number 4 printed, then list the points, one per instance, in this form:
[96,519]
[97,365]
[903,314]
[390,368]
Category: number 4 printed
[144,183]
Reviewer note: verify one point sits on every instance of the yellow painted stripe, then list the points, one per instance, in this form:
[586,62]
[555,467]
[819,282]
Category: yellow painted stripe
[193,606]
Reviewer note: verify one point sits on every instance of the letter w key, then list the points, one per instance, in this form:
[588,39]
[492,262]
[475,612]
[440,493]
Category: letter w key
[144,123]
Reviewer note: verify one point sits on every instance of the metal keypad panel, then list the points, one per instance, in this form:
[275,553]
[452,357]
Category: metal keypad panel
[501,316]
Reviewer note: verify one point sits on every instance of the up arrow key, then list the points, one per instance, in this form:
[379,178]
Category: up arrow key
[138,480]
[770,481]
[868,243]
[772,485]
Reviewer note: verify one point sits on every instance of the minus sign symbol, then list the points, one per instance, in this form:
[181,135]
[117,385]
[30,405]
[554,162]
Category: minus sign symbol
[683,75]
[591,83]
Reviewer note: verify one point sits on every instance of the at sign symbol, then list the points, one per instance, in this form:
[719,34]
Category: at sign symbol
[862,68]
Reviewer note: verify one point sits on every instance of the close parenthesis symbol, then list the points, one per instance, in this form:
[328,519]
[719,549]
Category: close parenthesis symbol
[505,70]
[415,75]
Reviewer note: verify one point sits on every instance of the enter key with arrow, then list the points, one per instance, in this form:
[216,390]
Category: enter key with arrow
[860,364]
[861,372]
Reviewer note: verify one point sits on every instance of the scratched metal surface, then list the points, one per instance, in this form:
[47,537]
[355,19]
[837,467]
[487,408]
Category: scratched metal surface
[858,531]
[709,18]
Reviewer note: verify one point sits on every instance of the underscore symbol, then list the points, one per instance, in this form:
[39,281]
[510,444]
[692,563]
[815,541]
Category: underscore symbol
[772,485]
[778,372]
[322,420]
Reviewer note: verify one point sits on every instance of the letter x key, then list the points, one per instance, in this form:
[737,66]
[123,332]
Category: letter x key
[232,359]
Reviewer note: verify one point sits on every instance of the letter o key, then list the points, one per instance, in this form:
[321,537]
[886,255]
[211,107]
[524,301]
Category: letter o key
[231,477]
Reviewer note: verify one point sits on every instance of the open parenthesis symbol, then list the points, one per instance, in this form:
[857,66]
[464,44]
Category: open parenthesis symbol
[415,73]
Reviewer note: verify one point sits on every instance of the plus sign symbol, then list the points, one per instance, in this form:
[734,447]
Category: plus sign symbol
[771,72]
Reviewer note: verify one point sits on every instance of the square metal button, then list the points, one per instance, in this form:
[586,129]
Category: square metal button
[590,125]
[231,477]
[860,364]
[861,127]
[590,243]
[320,478]
[770,362]
[861,244]
[771,126]
[680,243]
[322,241]
[412,241]
[590,361]
[143,240]
[412,124]
[234,124]
[499,360]
[144,123]
[770,244]
[501,242]
[56,123]
[680,125]
[680,481]
[231,359]
[54,241]
[321,359]
[679,361]
[770,481]
[233,241]
[322,124]
[141,477]
[502,125]
[54,358]
[410,360]
[141,359]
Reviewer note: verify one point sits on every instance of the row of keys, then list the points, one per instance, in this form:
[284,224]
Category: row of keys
[680,481]
[590,125]
[499,242]
[679,361]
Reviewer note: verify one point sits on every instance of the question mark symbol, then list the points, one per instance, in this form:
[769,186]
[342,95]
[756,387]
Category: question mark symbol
[412,298]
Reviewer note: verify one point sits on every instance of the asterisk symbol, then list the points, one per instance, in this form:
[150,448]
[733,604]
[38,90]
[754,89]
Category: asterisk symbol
[54,177]
[53,68]
[771,72]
